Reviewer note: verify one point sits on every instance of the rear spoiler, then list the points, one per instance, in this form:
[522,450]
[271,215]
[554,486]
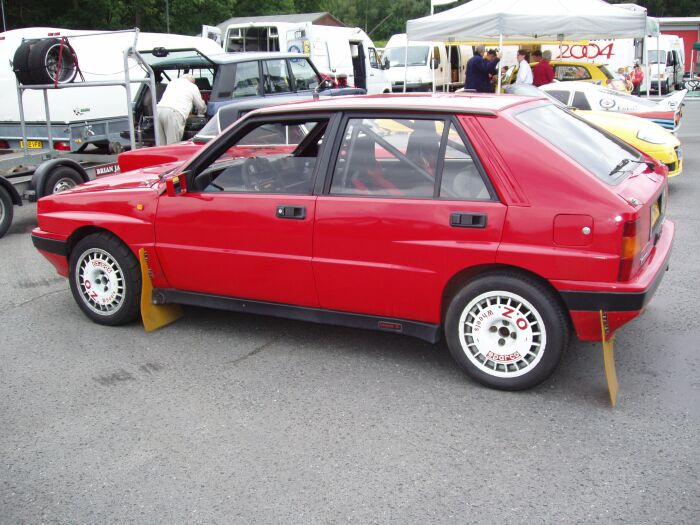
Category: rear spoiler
[673,102]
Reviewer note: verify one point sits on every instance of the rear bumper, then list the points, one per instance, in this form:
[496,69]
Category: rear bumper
[621,301]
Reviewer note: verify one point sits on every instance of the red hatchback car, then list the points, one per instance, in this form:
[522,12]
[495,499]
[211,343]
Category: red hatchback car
[503,222]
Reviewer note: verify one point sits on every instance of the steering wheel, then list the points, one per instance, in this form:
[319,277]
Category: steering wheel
[251,172]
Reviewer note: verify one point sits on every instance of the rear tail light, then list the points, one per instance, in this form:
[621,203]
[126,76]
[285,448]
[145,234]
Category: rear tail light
[631,249]
[4,144]
[61,146]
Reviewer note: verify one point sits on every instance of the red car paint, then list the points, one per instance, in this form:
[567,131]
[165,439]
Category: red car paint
[379,256]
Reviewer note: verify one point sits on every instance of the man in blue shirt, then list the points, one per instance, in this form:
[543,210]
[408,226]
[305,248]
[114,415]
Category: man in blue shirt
[479,69]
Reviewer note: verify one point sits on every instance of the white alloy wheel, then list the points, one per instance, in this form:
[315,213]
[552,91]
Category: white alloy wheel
[100,281]
[502,334]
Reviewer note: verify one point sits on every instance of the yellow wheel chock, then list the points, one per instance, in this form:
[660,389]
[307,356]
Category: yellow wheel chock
[154,316]
[609,358]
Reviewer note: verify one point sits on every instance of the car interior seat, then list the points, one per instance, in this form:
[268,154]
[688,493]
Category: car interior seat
[423,147]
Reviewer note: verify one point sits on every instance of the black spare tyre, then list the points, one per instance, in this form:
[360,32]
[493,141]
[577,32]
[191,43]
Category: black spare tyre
[51,61]
[20,63]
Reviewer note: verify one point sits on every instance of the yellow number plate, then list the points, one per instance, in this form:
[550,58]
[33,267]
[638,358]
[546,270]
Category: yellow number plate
[32,144]
[655,213]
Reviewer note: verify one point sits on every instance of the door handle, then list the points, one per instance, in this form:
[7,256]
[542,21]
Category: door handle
[467,220]
[285,211]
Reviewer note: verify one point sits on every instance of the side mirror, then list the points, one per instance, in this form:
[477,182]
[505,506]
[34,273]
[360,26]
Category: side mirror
[386,62]
[176,185]
[435,63]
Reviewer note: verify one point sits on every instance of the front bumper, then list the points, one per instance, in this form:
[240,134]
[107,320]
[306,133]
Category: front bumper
[55,249]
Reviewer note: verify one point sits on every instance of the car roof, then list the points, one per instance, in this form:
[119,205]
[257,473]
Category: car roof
[195,60]
[475,103]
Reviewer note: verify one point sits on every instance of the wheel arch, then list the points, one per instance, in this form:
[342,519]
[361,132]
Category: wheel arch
[82,232]
[461,278]
[43,172]
[11,190]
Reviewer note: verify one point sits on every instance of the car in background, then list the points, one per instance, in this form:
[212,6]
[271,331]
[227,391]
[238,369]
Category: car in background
[569,71]
[244,80]
[503,223]
[666,112]
[646,136]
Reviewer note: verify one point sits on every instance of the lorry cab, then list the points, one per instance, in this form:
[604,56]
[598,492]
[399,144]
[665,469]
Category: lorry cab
[432,66]
[346,53]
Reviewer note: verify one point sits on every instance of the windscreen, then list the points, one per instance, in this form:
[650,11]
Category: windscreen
[656,56]
[417,56]
[608,159]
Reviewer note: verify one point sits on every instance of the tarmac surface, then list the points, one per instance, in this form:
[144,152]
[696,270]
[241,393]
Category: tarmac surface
[227,417]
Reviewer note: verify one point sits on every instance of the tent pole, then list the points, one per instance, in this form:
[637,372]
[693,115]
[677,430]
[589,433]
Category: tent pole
[432,70]
[446,87]
[405,64]
[498,68]
[658,53]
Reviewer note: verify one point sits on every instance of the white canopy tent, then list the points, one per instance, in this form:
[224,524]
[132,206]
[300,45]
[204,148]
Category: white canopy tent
[529,21]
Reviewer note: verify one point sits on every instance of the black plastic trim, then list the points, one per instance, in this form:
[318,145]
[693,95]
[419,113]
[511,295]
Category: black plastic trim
[50,245]
[426,331]
[613,301]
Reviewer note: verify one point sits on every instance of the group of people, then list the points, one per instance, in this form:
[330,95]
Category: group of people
[633,78]
[482,69]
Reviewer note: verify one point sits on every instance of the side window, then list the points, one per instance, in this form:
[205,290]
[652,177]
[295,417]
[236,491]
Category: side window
[275,76]
[271,157]
[580,101]
[388,157]
[460,176]
[247,80]
[561,96]
[571,73]
[373,59]
[305,77]
[436,54]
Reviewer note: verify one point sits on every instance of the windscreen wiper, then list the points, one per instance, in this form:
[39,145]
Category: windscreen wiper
[625,162]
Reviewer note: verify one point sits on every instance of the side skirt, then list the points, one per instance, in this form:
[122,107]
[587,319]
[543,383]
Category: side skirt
[426,331]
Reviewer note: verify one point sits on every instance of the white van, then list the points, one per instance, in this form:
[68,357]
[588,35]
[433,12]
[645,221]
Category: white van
[333,50]
[432,66]
[80,115]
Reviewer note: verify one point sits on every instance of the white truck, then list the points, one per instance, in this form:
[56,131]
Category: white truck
[432,66]
[662,59]
[89,115]
[336,51]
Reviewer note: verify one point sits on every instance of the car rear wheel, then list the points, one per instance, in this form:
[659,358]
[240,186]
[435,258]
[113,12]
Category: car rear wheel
[506,331]
[105,279]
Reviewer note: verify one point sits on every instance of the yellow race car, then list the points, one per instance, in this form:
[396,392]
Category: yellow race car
[639,132]
[567,70]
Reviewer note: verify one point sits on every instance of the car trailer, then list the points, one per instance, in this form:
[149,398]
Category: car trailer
[30,175]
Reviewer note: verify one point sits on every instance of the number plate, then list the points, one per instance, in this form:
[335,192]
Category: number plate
[32,144]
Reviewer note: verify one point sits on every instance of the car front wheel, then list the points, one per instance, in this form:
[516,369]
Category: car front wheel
[506,331]
[105,279]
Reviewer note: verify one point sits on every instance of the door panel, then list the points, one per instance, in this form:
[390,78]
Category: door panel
[393,257]
[235,245]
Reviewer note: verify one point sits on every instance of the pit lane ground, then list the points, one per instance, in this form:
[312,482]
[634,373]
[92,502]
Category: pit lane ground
[245,419]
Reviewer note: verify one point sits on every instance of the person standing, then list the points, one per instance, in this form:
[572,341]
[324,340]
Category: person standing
[175,106]
[478,71]
[524,70]
[636,77]
[543,72]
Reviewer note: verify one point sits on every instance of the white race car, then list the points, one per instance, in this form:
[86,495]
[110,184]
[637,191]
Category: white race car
[586,96]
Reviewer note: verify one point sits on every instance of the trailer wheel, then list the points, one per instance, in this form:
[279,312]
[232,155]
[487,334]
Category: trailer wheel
[44,66]
[62,178]
[6,211]
[20,63]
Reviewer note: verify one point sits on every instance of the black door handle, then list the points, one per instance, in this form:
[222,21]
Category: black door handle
[468,220]
[285,211]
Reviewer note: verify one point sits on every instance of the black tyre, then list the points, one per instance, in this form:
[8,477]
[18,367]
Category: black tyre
[6,211]
[44,62]
[62,178]
[20,63]
[105,279]
[506,331]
